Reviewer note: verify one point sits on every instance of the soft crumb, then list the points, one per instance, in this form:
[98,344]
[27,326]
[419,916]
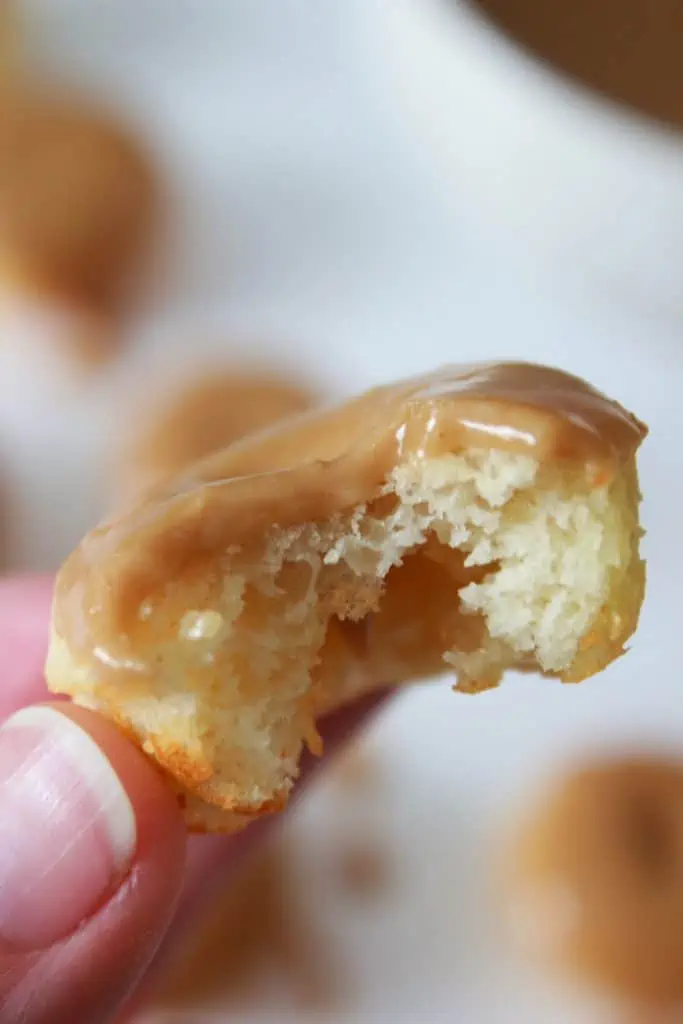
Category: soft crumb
[514,563]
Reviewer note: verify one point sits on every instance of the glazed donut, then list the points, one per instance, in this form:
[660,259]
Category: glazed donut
[470,521]
[77,201]
[201,417]
[595,878]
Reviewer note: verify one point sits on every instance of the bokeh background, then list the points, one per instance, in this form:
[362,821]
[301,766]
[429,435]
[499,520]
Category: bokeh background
[309,228]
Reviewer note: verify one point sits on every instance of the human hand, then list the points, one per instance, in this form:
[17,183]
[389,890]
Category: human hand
[97,874]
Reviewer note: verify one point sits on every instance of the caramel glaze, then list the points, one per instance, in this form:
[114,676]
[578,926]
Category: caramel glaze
[319,464]
[598,871]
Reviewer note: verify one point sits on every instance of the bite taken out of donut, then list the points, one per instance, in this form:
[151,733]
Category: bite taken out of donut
[478,519]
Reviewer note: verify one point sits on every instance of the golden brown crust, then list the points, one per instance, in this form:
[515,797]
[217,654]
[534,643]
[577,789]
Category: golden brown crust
[173,761]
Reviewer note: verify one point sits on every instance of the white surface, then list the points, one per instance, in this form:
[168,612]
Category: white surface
[589,193]
[304,224]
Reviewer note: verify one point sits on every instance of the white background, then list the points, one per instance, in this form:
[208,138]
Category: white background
[306,224]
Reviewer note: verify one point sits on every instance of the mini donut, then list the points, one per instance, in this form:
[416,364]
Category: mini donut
[595,878]
[77,202]
[203,416]
[470,521]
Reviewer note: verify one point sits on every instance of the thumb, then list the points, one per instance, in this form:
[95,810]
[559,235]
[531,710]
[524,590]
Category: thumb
[91,862]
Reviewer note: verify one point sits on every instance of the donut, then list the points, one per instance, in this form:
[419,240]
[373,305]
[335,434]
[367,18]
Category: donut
[77,201]
[473,520]
[202,416]
[594,879]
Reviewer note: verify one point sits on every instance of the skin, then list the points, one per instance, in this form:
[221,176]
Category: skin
[102,971]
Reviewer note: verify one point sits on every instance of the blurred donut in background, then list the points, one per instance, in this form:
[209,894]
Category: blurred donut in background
[364,869]
[629,50]
[356,768]
[258,924]
[78,200]
[202,416]
[9,39]
[594,879]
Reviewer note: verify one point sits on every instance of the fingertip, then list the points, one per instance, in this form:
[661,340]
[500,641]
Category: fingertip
[160,827]
[25,603]
[82,810]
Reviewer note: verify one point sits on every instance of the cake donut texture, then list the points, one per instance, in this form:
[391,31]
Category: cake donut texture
[474,520]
